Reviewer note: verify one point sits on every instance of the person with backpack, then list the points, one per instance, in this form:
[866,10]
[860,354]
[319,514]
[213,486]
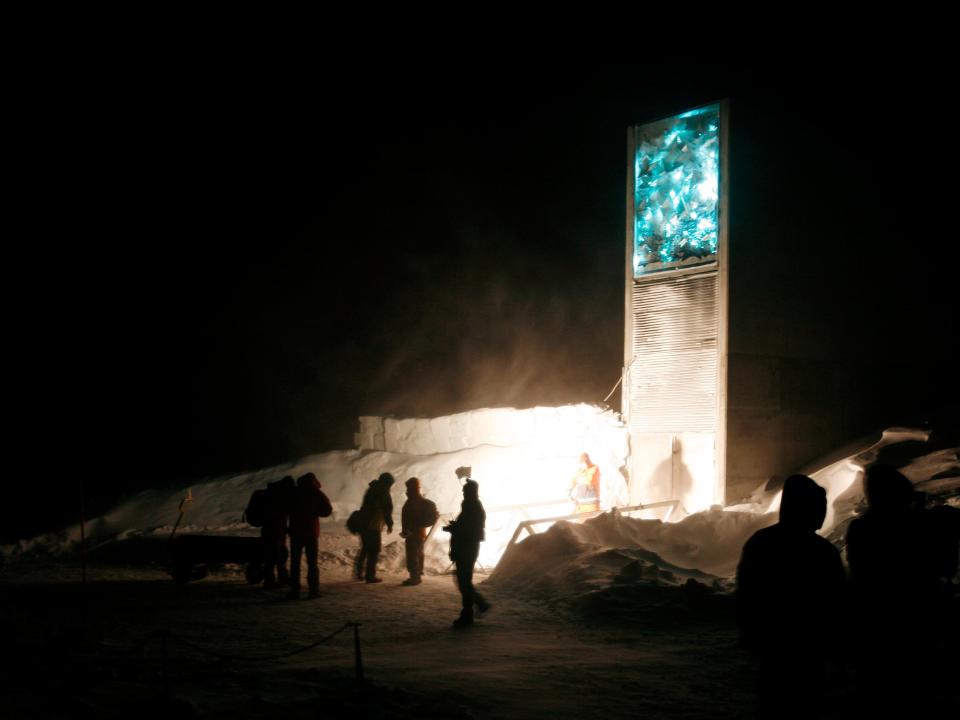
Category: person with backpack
[310,504]
[418,514]
[376,510]
[269,510]
[274,532]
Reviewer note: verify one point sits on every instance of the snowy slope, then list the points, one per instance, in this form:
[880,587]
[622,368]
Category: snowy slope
[522,475]
[519,457]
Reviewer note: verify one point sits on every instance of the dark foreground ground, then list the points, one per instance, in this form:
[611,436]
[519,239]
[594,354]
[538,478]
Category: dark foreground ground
[218,648]
[227,654]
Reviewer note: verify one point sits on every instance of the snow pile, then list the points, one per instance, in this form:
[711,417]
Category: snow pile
[572,557]
[612,551]
[935,471]
[523,460]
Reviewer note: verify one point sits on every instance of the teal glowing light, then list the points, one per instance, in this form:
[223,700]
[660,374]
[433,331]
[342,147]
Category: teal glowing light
[676,191]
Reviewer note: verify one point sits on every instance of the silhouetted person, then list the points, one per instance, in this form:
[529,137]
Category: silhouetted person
[945,527]
[273,533]
[895,580]
[376,511]
[466,534]
[310,504]
[417,516]
[790,593]
[944,523]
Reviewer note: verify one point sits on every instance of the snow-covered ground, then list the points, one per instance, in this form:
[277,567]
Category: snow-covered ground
[615,616]
[526,658]
[523,460]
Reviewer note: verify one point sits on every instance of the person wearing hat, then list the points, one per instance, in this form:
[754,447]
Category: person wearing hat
[280,500]
[309,505]
[375,512]
[466,534]
[790,600]
[417,516]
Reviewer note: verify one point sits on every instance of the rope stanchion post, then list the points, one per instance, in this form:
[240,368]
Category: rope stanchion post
[164,677]
[358,657]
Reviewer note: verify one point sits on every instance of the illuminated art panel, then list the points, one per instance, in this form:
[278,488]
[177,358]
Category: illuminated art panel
[676,191]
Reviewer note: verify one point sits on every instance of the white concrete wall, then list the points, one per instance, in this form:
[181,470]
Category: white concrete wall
[578,427]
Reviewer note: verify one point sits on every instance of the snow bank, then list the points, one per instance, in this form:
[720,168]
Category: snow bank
[523,460]
[702,546]
[934,471]
[574,560]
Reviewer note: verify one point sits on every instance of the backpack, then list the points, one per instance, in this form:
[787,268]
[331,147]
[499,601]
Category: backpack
[256,512]
[430,514]
[355,522]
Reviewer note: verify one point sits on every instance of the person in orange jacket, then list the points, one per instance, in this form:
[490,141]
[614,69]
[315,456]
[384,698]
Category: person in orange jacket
[585,486]
[310,504]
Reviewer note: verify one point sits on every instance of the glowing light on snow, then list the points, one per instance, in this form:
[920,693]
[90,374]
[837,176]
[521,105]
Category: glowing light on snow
[523,460]
[535,484]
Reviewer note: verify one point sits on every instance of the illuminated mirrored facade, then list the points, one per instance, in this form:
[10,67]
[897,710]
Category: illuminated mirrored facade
[676,191]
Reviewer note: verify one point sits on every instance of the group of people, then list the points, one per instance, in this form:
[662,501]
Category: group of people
[295,508]
[417,517]
[376,513]
[796,605]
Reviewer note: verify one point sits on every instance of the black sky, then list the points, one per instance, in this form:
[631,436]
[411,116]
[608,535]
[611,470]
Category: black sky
[286,253]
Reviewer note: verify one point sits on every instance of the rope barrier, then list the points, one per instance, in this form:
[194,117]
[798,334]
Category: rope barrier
[161,634]
[165,635]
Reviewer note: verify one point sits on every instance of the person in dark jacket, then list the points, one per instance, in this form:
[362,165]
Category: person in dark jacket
[895,579]
[310,504]
[376,511]
[790,594]
[417,516]
[273,532]
[466,534]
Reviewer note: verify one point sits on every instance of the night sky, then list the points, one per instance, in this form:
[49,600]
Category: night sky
[289,253]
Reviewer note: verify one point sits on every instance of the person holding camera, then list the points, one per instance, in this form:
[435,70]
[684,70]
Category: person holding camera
[466,534]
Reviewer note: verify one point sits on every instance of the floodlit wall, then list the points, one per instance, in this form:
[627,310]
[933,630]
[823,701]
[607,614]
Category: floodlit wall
[569,430]
[524,460]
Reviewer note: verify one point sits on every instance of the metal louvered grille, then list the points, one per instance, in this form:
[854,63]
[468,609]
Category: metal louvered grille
[673,377]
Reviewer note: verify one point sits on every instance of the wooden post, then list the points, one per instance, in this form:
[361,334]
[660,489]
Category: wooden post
[358,657]
[83,551]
